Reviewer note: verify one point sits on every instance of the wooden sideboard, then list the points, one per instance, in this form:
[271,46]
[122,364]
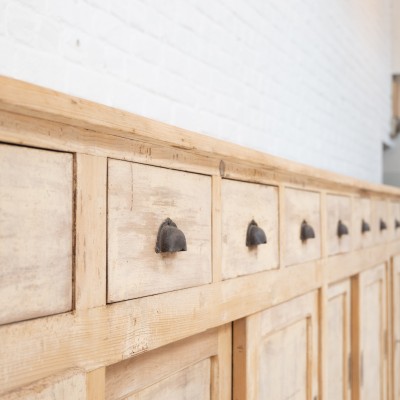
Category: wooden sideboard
[90,310]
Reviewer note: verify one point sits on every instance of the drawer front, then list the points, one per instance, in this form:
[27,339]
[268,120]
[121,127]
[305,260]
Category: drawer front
[140,198]
[338,235]
[395,218]
[362,235]
[36,197]
[242,203]
[382,222]
[301,206]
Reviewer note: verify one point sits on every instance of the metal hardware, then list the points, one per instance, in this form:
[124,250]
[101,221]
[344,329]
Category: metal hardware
[396,224]
[306,231]
[342,229]
[382,225]
[170,239]
[255,235]
[365,226]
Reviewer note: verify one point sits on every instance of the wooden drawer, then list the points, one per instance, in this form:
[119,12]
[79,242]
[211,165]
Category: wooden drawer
[338,235]
[382,228]
[243,203]
[362,235]
[395,218]
[140,199]
[36,197]
[301,206]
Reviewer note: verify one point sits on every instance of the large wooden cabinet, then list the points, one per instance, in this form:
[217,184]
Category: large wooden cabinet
[142,261]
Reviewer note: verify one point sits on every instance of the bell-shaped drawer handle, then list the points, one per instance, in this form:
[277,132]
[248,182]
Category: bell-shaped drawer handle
[365,226]
[382,225]
[255,235]
[306,232]
[342,229]
[170,239]
[396,224]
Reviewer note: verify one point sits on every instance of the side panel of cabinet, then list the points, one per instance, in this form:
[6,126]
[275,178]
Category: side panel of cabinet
[275,352]
[396,326]
[337,361]
[373,334]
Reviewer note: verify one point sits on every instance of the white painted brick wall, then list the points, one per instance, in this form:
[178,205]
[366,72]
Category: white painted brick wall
[307,80]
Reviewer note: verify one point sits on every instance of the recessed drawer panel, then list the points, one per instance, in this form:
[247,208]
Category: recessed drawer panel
[362,223]
[140,199]
[36,197]
[249,228]
[382,221]
[302,226]
[338,224]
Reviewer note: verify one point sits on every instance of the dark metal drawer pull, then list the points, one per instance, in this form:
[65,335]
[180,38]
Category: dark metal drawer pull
[382,225]
[342,229]
[365,226]
[170,239]
[396,224]
[255,235]
[306,231]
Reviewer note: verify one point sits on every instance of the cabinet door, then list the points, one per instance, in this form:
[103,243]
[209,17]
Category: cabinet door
[196,368]
[275,352]
[396,327]
[337,363]
[372,334]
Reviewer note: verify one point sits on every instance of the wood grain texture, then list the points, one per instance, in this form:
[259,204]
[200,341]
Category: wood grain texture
[67,385]
[241,203]
[95,384]
[362,210]
[301,205]
[395,216]
[140,198]
[91,239]
[396,327]
[337,361]
[36,217]
[338,208]
[135,374]
[192,383]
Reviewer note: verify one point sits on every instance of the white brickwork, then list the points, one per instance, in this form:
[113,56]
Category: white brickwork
[308,80]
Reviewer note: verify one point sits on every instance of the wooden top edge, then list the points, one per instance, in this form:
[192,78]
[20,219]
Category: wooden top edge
[35,101]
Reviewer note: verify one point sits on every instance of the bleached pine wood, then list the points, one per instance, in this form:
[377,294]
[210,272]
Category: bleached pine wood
[338,208]
[68,385]
[140,198]
[395,214]
[95,384]
[36,197]
[396,327]
[362,210]
[337,362]
[216,225]
[373,334]
[281,351]
[301,205]
[192,383]
[241,203]
[91,239]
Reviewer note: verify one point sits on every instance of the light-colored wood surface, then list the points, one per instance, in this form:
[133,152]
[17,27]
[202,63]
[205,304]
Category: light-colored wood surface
[361,210]
[395,216]
[396,327]
[338,208]
[301,205]
[192,383]
[281,351]
[36,219]
[216,226]
[95,384]
[140,198]
[68,385]
[373,334]
[241,203]
[337,362]
[380,212]
[91,229]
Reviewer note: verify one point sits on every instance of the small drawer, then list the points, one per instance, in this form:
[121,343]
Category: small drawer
[338,235]
[362,235]
[36,212]
[383,228]
[395,206]
[302,222]
[248,211]
[140,199]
